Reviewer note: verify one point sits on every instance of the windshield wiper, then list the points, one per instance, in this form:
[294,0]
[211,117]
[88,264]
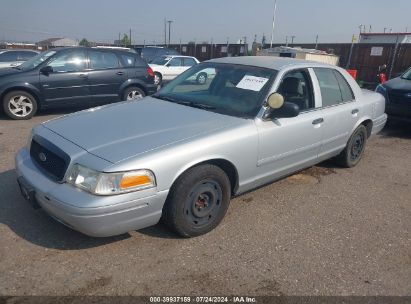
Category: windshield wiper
[201,106]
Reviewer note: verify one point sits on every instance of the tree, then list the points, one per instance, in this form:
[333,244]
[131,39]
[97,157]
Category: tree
[125,40]
[84,42]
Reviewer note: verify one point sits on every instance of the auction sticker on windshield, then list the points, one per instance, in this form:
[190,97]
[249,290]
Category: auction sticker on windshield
[252,83]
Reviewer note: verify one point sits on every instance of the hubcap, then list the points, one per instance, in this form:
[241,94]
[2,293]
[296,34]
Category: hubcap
[201,79]
[204,203]
[133,95]
[156,79]
[20,105]
[357,146]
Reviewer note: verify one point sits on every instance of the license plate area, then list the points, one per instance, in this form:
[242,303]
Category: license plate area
[28,192]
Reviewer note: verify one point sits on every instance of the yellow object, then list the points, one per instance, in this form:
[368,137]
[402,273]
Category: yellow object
[134,181]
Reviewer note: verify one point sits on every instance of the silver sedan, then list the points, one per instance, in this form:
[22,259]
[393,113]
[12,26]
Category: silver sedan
[181,154]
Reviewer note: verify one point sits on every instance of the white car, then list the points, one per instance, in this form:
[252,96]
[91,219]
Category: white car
[169,67]
[10,58]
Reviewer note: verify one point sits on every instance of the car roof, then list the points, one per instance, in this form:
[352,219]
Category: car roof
[172,56]
[18,50]
[108,49]
[270,62]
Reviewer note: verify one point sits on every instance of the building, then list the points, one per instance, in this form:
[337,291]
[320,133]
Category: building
[56,42]
[377,38]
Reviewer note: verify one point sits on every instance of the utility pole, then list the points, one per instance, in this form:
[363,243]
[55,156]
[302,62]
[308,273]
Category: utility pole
[119,39]
[316,41]
[286,41]
[272,31]
[292,39]
[165,32]
[130,38]
[169,31]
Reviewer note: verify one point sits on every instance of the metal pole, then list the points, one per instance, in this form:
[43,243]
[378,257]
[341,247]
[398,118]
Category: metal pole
[165,32]
[316,42]
[169,31]
[292,39]
[130,37]
[393,57]
[272,31]
[349,56]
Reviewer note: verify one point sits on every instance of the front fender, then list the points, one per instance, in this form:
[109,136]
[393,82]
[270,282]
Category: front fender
[20,85]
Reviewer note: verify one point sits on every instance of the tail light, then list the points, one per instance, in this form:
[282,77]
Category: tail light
[150,72]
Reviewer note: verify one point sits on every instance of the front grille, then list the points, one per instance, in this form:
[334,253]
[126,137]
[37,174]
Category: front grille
[50,162]
[399,97]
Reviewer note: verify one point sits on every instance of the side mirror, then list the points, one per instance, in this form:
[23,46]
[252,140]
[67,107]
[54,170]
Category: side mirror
[46,70]
[279,108]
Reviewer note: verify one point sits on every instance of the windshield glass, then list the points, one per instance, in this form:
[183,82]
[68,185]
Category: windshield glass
[160,60]
[229,89]
[407,74]
[36,60]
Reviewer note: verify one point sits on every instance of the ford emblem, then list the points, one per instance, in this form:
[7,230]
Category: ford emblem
[42,156]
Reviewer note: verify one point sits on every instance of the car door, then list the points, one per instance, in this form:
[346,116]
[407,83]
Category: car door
[339,110]
[67,84]
[290,144]
[173,68]
[105,76]
[188,63]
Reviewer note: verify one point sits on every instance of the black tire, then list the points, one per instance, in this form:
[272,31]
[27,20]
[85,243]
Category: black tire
[159,77]
[202,78]
[198,201]
[354,150]
[19,105]
[133,91]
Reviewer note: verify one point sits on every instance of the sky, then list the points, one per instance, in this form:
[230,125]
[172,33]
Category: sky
[199,20]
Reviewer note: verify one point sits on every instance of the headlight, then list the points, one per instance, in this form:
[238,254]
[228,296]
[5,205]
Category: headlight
[101,183]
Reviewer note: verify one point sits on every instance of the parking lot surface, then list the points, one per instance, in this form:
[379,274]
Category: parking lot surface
[323,231]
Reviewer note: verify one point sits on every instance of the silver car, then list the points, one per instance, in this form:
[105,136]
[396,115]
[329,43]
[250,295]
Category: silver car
[181,154]
[14,57]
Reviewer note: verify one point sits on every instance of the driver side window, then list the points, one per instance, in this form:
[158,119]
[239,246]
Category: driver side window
[296,88]
[73,61]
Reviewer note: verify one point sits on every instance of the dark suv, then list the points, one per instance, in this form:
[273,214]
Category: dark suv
[81,77]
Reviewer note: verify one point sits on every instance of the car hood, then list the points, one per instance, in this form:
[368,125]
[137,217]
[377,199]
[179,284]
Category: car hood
[398,84]
[9,71]
[123,130]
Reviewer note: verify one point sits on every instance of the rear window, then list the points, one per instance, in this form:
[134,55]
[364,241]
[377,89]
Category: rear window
[8,56]
[128,60]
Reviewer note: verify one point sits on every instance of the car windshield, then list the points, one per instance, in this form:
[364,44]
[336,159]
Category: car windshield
[407,74]
[235,90]
[36,60]
[160,60]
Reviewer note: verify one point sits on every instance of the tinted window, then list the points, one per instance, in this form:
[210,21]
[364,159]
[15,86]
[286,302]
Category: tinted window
[8,56]
[128,60]
[189,62]
[296,88]
[346,92]
[330,89]
[25,55]
[72,61]
[175,62]
[103,60]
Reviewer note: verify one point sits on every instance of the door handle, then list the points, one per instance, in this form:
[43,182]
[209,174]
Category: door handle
[120,73]
[318,121]
[83,76]
[355,111]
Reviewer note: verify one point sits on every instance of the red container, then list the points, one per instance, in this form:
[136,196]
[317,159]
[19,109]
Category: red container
[353,73]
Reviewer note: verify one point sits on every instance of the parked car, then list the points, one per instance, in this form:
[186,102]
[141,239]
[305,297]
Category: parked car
[14,57]
[73,77]
[148,53]
[183,153]
[397,93]
[167,67]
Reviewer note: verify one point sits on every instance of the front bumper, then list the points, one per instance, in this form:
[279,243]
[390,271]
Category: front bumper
[99,216]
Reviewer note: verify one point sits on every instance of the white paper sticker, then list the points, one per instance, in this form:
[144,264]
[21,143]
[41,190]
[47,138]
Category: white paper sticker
[252,83]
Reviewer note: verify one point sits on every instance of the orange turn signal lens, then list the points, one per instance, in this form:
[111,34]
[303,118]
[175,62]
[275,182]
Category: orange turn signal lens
[132,181]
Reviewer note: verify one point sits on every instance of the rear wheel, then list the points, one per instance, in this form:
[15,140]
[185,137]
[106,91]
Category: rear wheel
[198,201]
[202,78]
[19,105]
[157,78]
[354,150]
[133,93]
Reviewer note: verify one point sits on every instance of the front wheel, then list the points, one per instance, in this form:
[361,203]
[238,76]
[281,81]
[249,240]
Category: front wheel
[19,105]
[202,78]
[198,201]
[354,150]
[133,93]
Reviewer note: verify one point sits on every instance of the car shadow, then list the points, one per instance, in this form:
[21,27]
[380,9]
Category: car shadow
[397,129]
[35,226]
